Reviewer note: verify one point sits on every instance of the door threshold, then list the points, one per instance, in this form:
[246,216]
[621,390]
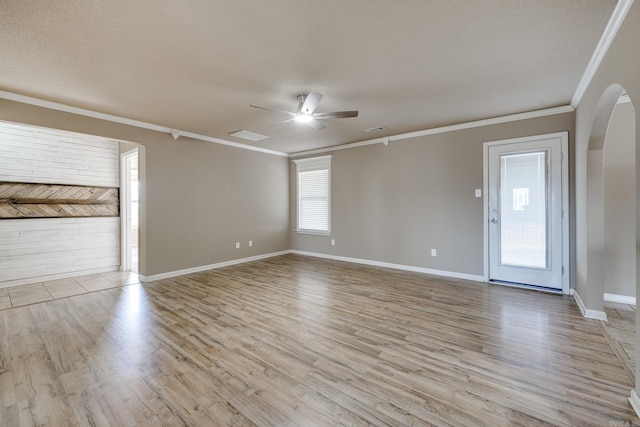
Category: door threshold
[527,286]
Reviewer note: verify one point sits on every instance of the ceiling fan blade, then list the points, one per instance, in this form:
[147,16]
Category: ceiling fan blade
[335,115]
[311,102]
[301,99]
[280,123]
[316,125]
[272,109]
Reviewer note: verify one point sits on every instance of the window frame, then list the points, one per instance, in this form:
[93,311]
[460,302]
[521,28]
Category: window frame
[308,165]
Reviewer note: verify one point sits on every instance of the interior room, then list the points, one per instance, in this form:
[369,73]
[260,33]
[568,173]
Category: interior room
[319,213]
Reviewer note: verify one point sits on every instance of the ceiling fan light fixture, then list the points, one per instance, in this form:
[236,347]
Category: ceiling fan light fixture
[305,113]
[303,118]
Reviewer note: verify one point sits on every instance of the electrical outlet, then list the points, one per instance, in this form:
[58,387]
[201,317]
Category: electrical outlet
[250,243]
[237,245]
[434,252]
[333,242]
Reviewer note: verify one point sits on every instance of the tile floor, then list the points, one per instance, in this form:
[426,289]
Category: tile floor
[17,296]
[620,330]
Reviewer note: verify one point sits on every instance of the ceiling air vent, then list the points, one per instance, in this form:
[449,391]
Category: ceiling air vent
[249,136]
[375,129]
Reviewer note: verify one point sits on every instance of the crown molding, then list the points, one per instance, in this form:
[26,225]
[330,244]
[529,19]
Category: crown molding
[384,140]
[634,400]
[624,99]
[617,17]
[461,126]
[130,122]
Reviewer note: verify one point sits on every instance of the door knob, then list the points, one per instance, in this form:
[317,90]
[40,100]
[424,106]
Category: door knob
[494,221]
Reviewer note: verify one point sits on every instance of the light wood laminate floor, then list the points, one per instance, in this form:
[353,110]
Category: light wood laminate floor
[302,341]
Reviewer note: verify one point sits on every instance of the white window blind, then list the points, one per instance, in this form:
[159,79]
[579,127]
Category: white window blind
[314,194]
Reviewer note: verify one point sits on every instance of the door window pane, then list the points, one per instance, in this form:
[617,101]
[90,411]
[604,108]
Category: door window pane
[524,210]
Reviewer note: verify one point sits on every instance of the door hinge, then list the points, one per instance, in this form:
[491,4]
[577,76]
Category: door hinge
[563,270]
[561,213]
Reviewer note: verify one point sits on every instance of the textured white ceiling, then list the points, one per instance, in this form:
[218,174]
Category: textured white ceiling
[197,65]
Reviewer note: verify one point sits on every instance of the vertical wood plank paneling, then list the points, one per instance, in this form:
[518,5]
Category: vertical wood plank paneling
[31,249]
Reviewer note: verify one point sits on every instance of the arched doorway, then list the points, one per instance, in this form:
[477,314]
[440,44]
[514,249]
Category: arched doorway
[619,167]
[595,237]
[601,247]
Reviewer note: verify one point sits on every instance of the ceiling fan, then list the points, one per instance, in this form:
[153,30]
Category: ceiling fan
[307,104]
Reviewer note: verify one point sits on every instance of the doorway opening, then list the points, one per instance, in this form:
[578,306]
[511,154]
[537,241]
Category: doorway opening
[612,224]
[607,235]
[130,205]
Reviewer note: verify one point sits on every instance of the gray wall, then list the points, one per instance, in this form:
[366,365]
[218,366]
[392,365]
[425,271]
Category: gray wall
[621,65]
[393,204]
[197,198]
[204,197]
[619,202]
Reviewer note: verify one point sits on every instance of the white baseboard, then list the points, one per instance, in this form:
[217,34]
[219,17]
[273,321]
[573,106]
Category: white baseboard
[48,277]
[170,274]
[622,299]
[634,400]
[475,278]
[589,314]
[198,269]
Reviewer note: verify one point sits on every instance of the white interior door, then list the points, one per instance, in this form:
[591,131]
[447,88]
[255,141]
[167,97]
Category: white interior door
[129,207]
[525,208]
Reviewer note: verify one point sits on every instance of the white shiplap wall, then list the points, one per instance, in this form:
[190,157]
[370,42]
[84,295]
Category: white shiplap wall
[30,154]
[38,249]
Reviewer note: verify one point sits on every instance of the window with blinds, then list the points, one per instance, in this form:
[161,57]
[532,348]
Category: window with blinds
[314,195]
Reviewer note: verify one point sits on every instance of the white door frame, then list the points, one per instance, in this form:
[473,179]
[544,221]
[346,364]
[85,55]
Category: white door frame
[125,203]
[564,137]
